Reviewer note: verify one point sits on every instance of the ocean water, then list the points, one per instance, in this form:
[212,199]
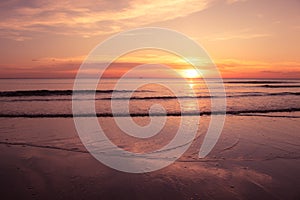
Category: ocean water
[53,97]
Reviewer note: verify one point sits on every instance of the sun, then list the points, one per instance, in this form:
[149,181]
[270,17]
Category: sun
[190,73]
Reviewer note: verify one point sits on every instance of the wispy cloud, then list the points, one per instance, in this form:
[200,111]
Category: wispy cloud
[255,64]
[234,1]
[258,69]
[243,37]
[21,19]
[67,68]
[244,34]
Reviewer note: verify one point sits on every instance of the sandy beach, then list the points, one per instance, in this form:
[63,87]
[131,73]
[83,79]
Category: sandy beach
[257,157]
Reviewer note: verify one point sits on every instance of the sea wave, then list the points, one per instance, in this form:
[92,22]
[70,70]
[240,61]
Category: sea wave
[260,82]
[174,114]
[21,93]
[244,94]
[280,86]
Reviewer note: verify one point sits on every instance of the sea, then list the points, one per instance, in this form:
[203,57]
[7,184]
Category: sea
[37,98]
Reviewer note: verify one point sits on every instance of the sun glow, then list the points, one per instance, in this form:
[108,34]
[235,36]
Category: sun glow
[190,73]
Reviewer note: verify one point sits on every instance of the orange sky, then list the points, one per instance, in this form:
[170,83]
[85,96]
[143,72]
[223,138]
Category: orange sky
[245,38]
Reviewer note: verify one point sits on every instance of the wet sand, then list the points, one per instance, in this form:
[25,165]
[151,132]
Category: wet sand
[257,157]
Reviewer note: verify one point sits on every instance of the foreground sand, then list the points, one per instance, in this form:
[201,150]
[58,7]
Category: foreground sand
[257,157]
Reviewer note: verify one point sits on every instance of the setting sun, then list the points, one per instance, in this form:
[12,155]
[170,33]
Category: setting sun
[190,73]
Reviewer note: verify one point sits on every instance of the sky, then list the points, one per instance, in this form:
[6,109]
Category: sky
[245,38]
